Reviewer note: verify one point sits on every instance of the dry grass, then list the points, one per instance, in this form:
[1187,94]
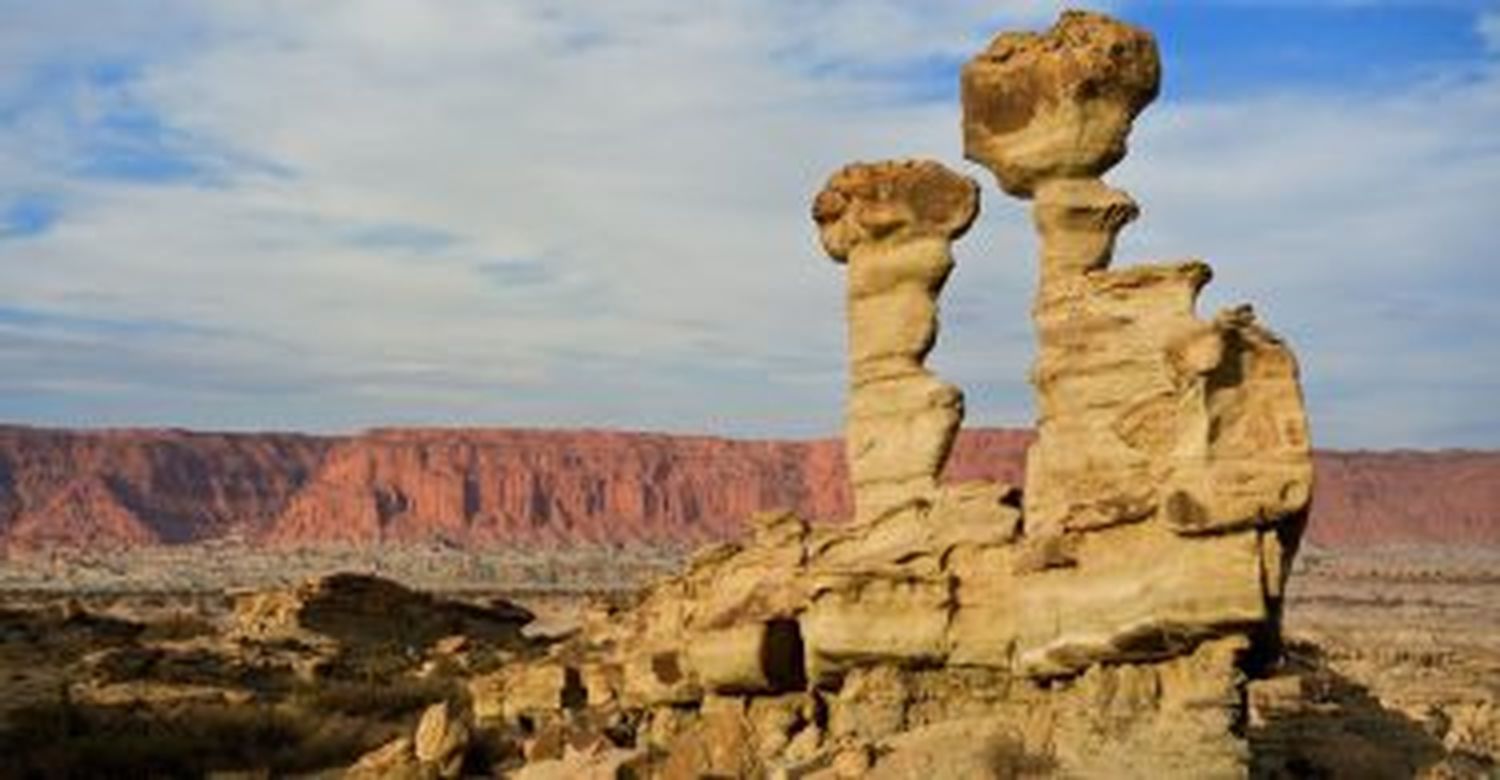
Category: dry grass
[69,740]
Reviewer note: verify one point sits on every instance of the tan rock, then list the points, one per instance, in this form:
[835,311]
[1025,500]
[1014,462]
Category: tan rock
[978,748]
[1145,410]
[858,619]
[526,689]
[1147,414]
[1131,598]
[852,763]
[547,744]
[659,675]
[892,223]
[1172,719]
[1058,104]
[395,760]
[871,704]
[602,764]
[1094,627]
[749,658]
[720,744]
[357,610]
[804,745]
[487,697]
[441,739]
[776,719]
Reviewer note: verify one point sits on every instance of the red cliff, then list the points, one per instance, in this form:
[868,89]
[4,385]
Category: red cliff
[500,486]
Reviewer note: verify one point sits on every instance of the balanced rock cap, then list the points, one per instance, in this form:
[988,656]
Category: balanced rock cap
[1057,104]
[893,201]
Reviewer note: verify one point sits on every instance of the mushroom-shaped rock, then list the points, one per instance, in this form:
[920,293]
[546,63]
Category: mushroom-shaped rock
[1057,104]
[892,224]
[893,201]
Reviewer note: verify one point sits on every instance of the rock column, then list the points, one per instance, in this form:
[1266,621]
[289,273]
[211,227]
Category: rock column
[1144,410]
[892,224]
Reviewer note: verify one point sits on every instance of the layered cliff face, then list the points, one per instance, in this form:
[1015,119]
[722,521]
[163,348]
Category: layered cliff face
[505,486]
[146,486]
[493,487]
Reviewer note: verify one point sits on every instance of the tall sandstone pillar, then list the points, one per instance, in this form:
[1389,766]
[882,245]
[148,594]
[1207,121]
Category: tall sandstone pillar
[892,223]
[1145,411]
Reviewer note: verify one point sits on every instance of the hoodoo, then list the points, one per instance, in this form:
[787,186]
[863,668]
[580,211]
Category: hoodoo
[1102,623]
[891,223]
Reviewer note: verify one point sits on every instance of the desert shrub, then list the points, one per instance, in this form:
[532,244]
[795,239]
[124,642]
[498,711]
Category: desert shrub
[69,740]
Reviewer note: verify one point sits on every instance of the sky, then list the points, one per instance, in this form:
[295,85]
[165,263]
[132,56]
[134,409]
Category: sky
[336,215]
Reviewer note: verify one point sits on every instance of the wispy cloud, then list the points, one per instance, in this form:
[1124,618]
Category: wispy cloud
[585,213]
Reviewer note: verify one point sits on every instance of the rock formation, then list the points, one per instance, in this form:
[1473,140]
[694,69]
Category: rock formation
[358,610]
[892,223]
[434,751]
[1103,631]
[1145,411]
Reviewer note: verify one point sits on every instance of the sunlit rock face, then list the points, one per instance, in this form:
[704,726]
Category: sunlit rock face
[1100,623]
[1058,104]
[891,223]
[1146,412]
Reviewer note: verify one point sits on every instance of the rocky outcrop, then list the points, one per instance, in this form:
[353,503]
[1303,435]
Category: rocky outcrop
[361,611]
[892,224]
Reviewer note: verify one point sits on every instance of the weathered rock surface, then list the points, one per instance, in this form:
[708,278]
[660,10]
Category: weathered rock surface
[1059,104]
[1145,411]
[1104,623]
[434,751]
[891,223]
[145,487]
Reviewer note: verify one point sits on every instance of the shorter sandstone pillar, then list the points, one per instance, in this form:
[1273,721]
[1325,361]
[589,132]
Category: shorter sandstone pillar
[893,223]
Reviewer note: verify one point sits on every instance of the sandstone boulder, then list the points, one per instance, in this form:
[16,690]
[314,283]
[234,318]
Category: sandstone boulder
[359,610]
[440,740]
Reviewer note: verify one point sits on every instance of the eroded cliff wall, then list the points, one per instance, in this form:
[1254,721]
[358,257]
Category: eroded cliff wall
[496,486]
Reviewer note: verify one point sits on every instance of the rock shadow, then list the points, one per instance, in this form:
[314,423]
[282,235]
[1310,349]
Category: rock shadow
[1309,721]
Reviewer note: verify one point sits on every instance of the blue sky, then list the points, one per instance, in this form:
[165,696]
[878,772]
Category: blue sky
[343,214]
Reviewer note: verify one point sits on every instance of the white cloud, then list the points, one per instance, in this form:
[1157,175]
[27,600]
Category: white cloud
[625,189]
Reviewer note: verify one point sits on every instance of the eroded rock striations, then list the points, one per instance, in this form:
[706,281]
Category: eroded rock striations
[1102,625]
[1179,440]
[892,224]
[1145,411]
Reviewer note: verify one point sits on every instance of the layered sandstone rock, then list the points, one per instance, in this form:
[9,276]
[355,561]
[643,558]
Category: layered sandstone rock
[1145,411]
[1100,626]
[892,223]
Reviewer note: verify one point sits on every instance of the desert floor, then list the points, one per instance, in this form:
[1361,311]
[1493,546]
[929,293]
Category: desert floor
[132,665]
